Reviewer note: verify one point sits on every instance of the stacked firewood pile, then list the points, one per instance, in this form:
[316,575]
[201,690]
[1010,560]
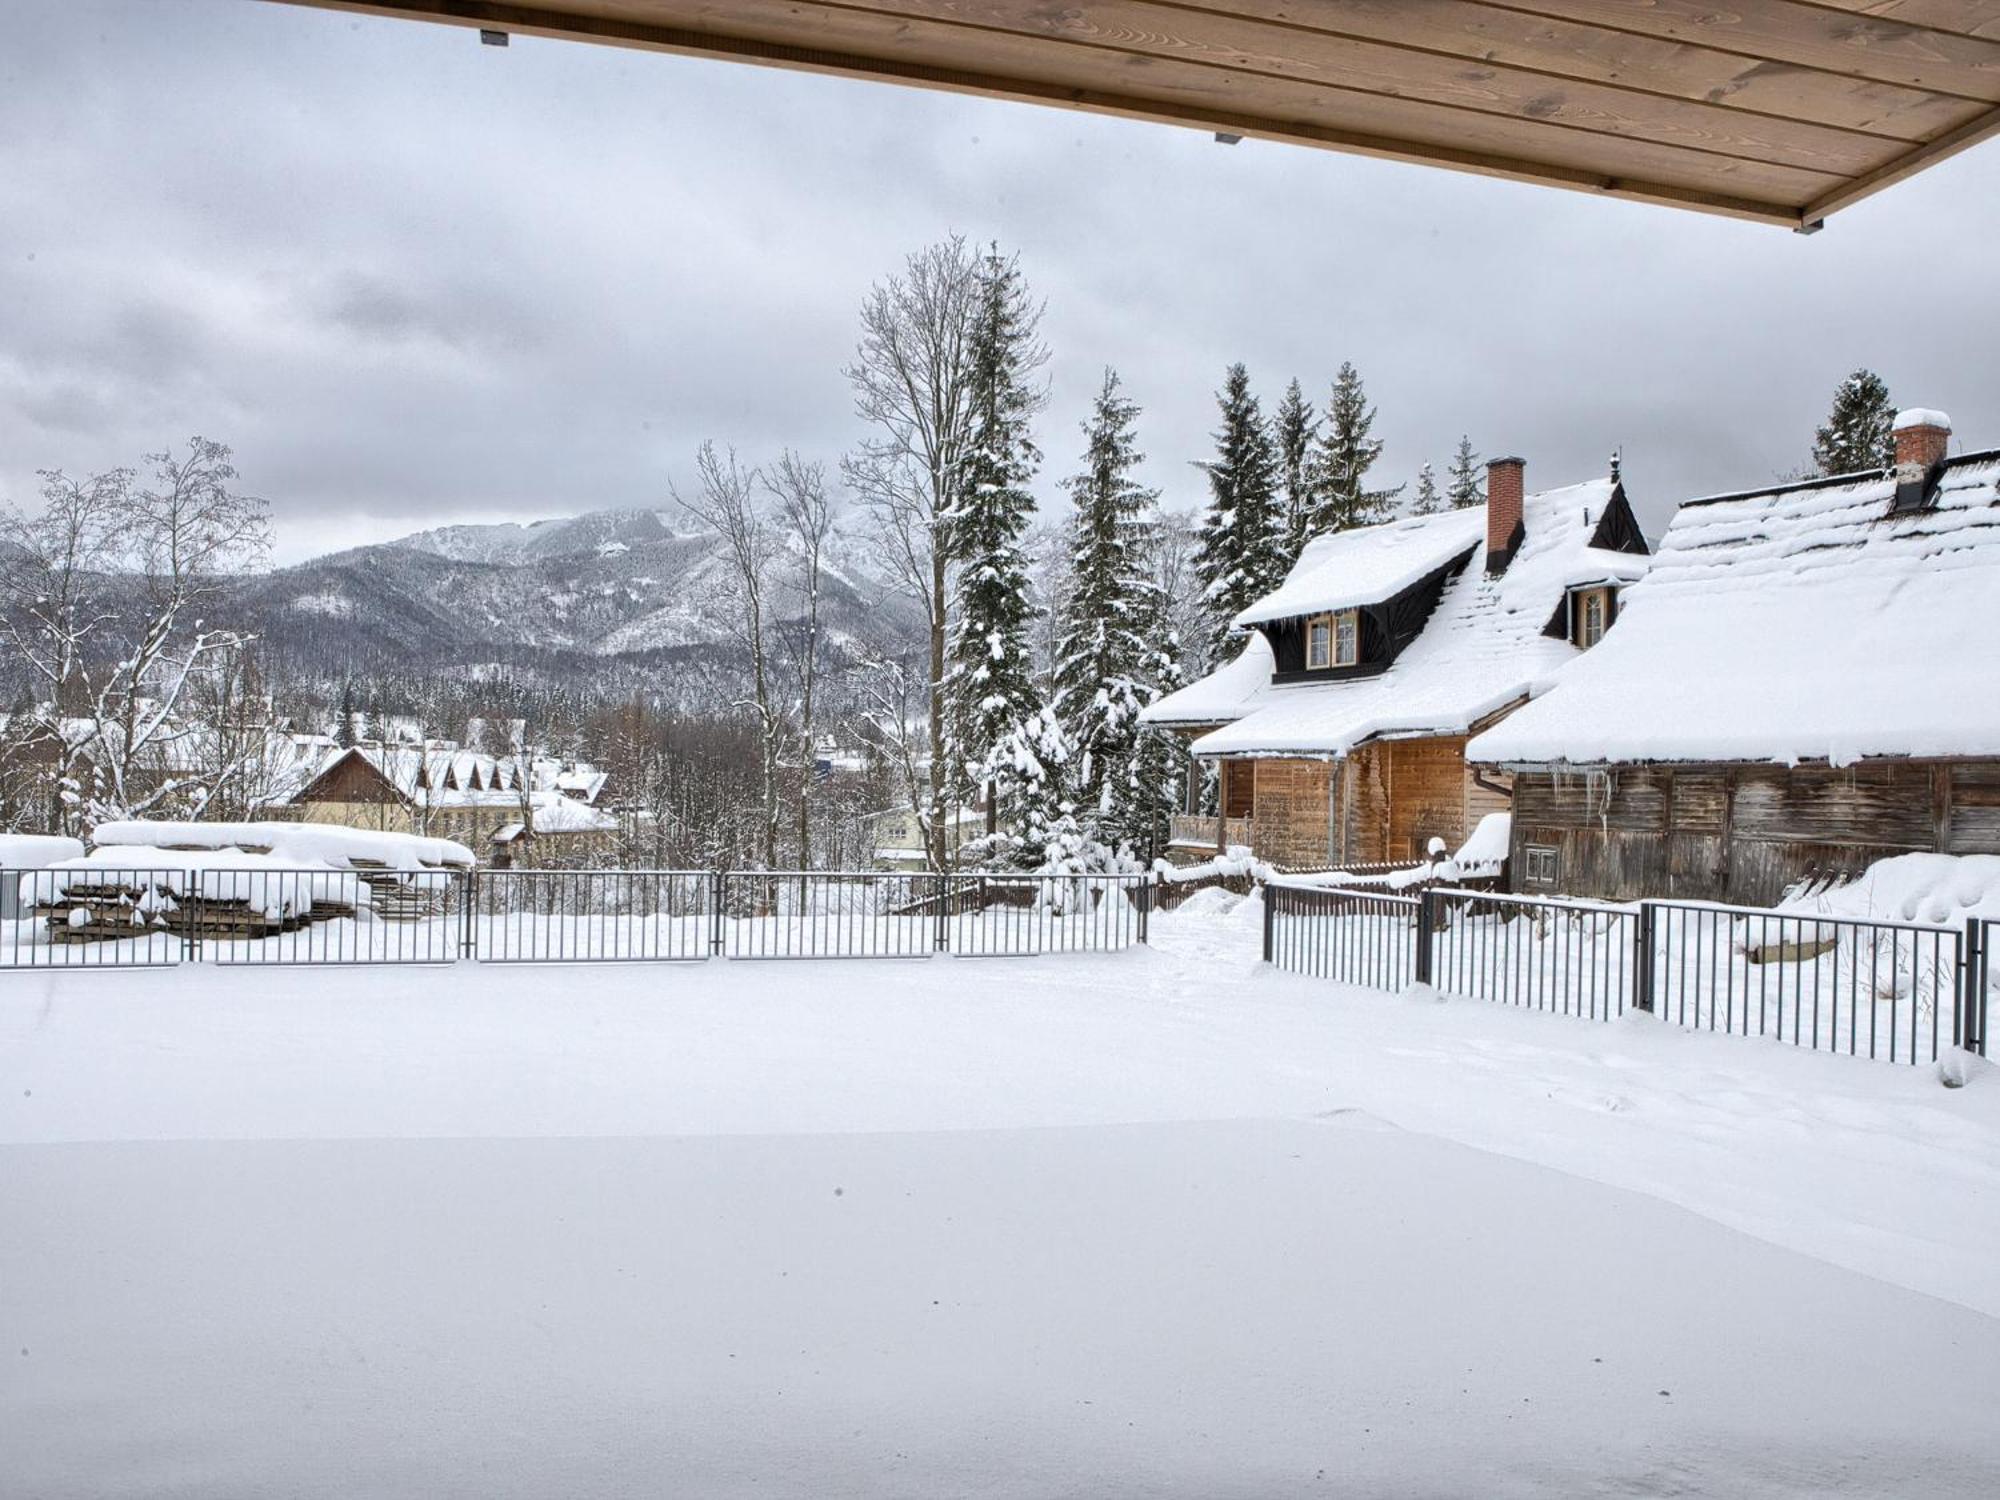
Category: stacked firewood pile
[402,896]
[123,904]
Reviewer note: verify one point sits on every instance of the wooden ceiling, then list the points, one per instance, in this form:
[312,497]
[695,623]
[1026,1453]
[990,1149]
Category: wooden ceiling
[1776,110]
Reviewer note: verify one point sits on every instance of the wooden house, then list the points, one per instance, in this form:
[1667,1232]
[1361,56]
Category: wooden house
[1807,680]
[1338,734]
[446,792]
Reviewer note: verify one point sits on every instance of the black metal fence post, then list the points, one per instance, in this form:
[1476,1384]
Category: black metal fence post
[1642,958]
[1145,904]
[1270,916]
[1426,933]
[943,936]
[468,945]
[1971,1028]
[718,892]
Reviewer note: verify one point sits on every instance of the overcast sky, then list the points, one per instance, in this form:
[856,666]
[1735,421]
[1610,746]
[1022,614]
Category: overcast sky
[413,279]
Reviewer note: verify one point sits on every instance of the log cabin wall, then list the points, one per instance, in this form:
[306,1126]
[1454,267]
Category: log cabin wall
[1293,813]
[1741,834]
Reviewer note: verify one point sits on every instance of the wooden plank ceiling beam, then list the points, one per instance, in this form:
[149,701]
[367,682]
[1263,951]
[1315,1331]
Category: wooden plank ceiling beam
[1775,110]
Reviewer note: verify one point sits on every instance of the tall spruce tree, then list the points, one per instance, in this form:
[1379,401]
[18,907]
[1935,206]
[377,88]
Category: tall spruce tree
[1293,428]
[1465,486]
[1107,670]
[343,724]
[991,691]
[1240,553]
[1341,459]
[1428,501]
[1857,434]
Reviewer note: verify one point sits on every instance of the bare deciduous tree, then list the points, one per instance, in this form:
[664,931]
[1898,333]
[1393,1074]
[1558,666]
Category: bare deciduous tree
[726,502]
[800,490]
[105,593]
[912,378]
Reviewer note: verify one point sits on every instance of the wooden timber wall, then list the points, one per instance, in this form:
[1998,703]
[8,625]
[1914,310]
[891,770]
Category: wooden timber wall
[1744,833]
[1385,802]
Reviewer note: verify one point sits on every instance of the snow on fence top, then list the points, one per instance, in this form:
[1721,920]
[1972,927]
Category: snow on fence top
[304,845]
[1483,648]
[1799,624]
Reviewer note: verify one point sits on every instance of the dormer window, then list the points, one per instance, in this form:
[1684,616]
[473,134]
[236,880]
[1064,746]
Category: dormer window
[1333,640]
[1590,616]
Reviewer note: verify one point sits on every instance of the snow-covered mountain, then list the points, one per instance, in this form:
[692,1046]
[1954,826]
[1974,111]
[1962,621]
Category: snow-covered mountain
[605,585]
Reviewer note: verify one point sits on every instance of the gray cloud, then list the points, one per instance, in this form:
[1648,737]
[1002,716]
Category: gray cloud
[413,279]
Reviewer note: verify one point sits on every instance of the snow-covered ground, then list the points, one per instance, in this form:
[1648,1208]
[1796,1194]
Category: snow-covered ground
[1154,1222]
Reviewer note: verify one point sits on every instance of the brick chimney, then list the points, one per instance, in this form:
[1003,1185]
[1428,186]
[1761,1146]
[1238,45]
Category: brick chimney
[1921,438]
[1504,478]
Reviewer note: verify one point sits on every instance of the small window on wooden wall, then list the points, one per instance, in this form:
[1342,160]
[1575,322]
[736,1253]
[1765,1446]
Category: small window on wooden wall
[1541,865]
[1333,640]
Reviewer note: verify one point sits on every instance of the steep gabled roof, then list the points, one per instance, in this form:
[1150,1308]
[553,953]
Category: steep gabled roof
[1347,569]
[1481,650]
[1793,624]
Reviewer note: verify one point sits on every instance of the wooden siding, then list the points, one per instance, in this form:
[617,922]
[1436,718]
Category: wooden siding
[1293,813]
[1745,833]
[1777,110]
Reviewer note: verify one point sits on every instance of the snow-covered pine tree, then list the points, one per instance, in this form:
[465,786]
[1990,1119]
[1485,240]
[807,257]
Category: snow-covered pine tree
[1857,433]
[1240,554]
[343,724]
[990,690]
[1107,668]
[1428,501]
[1293,428]
[1341,459]
[1465,486]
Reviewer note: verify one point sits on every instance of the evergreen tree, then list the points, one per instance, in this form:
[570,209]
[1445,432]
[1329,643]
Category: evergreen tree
[1107,669]
[1467,486]
[1428,501]
[991,691]
[1341,459]
[343,724]
[1239,554]
[1857,434]
[1293,429]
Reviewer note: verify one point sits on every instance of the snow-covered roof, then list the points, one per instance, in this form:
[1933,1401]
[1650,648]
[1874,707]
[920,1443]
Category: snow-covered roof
[1227,693]
[1482,649]
[555,813]
[1365,565]
[1801,623]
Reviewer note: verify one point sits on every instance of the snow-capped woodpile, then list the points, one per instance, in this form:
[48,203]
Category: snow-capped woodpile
[237,880]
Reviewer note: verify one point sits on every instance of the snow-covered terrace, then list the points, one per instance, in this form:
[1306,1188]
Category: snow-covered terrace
[1161,1223]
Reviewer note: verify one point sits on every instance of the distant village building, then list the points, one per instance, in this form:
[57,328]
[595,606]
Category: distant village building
[1338,735]
[476,799]
[896,834]
[1807,680]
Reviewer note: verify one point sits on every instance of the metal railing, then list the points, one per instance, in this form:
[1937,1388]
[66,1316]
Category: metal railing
[93,919]
[590,916]
[1354,936]
[1871,989]
[1893,990]
[127,918]
[834,914]
[1570,958]
[139,916]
